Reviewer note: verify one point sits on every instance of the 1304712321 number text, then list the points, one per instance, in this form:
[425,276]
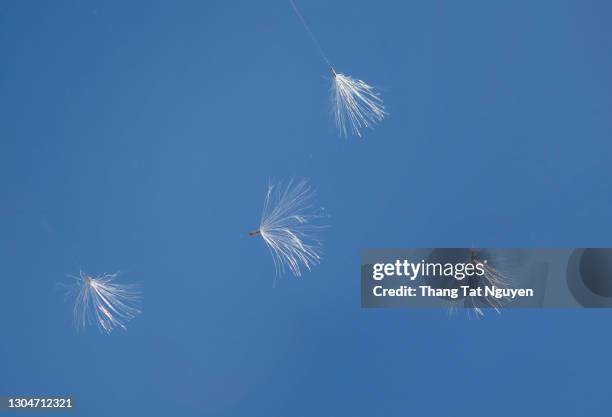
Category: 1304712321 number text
[36,402]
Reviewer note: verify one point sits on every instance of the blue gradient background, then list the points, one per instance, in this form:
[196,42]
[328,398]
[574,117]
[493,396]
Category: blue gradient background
[140,136]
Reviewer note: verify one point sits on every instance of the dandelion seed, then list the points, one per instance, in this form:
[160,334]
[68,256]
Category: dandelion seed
[288,227]
[491,277]
[103,303]
[355,104]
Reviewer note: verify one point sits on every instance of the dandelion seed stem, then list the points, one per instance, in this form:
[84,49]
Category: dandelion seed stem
[255,233]
[312,36]
[472,256]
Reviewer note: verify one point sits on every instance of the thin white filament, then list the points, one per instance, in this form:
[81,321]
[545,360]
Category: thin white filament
[287,227]
[355,104]
[103,303]
[312,36]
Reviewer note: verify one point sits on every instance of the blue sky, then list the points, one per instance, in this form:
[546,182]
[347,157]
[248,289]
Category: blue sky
[140,137]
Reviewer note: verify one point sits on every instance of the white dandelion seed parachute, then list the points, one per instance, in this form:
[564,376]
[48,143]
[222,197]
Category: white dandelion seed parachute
[288,227]
[102,302]
[355,104]
[492,277]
